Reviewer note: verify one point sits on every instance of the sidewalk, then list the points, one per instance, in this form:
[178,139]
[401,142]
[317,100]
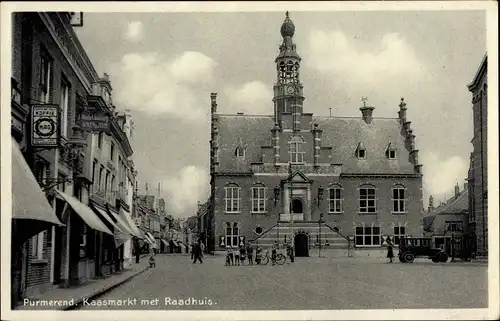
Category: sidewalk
[73,296]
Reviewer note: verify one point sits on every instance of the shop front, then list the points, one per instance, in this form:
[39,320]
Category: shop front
[31,214]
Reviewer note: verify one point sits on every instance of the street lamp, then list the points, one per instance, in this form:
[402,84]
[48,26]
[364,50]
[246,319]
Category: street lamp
[276,195]
[321,190]
[320,221]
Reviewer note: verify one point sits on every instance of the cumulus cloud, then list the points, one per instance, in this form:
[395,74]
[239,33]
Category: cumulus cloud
[134,31]
[253,97]
[152,83]
[185,189]
[441,174]
[334,52]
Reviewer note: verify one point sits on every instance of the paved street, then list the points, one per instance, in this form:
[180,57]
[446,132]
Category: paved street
[309,283]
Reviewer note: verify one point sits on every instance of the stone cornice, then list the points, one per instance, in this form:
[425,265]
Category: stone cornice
[372,175]
[233,174]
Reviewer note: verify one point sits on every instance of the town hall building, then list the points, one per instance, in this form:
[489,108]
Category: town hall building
[324,183]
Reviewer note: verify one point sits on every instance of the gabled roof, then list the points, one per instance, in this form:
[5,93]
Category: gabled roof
[342,134]
[479,73]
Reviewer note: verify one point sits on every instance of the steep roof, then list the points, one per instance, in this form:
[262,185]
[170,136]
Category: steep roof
[456,205]
[479,73]
[343,134]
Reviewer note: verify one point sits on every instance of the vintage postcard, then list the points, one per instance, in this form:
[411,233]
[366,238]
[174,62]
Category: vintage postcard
[250,160]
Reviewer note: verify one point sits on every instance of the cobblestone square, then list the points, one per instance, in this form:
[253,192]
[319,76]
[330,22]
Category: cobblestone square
[308,283]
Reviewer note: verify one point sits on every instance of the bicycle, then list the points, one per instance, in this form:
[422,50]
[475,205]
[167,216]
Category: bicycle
[280,259]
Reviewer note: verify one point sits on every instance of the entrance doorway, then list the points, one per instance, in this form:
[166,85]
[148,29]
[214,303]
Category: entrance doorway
[301,245]
[297,206]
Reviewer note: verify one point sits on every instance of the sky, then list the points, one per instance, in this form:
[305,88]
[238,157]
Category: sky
[163,67]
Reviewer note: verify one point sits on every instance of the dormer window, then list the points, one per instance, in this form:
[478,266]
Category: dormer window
[360,151]
[240,152]
[390,152]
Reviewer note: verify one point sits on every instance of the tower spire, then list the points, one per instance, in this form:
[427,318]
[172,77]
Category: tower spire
[288,96]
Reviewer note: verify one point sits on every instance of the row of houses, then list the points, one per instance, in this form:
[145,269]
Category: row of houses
[460,223]
[73,174]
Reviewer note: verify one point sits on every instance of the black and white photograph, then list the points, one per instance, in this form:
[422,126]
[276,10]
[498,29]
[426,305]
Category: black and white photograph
[250,160]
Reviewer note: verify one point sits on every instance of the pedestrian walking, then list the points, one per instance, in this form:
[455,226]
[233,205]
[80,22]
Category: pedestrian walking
[274,252]
[202,248]
[242,254]
[192,251]
[250,253]
[289,251]
[236,253]
[197,253]
[390,253]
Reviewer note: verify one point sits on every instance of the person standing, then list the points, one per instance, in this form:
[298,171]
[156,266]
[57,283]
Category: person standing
[289,251]
[137,249]
[390,253]
[197,252]
[231,256]
[274,252]
[236,256]
[250,253]
[192,251]
[242,254]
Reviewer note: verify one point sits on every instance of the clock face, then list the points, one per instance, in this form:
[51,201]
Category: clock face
[290,90]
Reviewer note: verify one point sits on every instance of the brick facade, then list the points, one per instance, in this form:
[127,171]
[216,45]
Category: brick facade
[478,173]
[250,151]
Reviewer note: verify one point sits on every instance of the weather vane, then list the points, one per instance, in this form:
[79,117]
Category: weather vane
[364,99]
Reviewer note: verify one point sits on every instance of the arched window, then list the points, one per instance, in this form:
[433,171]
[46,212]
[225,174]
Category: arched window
[335,199]
[258,199]
[296,150]
[398,199]
[239,151]
[232,198]
[367,199]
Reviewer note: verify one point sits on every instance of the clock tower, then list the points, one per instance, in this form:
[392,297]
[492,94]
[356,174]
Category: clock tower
[288,91]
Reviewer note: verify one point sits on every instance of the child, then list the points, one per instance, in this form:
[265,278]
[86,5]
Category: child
[242,254]
[236,256]
[228,256]
[258,254]
[152,261]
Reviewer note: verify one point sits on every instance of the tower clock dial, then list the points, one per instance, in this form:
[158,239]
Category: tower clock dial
[290,90]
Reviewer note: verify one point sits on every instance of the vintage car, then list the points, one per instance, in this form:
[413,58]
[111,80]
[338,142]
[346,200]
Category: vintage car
[412,247]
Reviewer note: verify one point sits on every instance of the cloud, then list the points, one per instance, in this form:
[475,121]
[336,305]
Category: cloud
[134,31]
[253,97]
[154,84]
[185,189]
[333,53]
[441,174]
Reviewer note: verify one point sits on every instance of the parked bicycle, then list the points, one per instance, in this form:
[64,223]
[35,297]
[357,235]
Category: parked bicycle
[280,259]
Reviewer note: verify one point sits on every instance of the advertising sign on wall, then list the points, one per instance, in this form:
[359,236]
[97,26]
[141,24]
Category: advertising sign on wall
[45,125]
[94,120]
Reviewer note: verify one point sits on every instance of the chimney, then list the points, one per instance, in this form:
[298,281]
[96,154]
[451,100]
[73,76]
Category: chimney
[367,111]
[457,190]
[431,204]
[402,111]
[213,99]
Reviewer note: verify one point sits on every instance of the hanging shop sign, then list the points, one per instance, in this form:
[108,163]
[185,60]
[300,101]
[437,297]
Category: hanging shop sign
[45,125]
[94,120]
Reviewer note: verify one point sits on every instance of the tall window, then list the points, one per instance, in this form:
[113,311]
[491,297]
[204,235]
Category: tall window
[232,199]
[367,200]
[94,169]
[398,199]
[296,150]
[367,236]
[111,187]
[258,199]
[106,182]
[232,234]
[399,232]
[101,178]
[64,104]
[335,199]
[112,151]
[100,139]
[45,78]
[37,246]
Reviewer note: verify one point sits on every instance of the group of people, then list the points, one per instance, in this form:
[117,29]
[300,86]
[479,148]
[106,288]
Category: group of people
[237,255]
[197,250]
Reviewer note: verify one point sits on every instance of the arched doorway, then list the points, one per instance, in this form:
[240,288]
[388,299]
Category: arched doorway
[301,245]
[297,206]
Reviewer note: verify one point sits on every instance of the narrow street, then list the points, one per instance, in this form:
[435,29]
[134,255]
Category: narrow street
[309,283]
